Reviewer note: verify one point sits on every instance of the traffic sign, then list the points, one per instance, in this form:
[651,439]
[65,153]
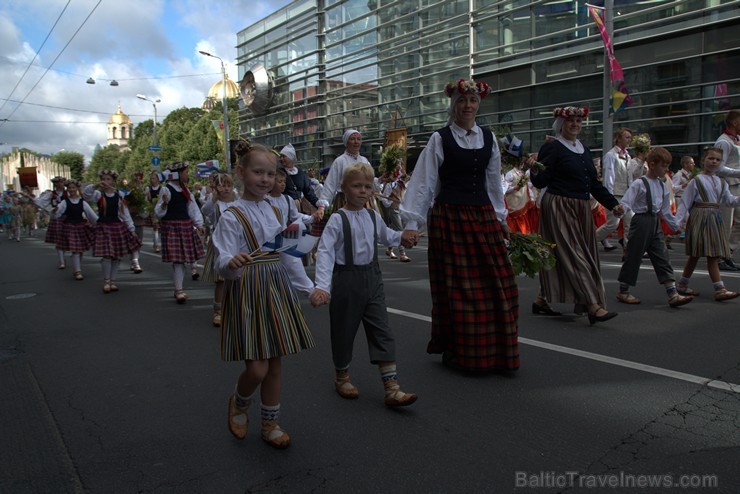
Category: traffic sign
[155,161]
[154,148]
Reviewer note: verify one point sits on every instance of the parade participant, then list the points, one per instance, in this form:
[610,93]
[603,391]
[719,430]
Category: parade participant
[566,220]
[6,219]
[649,199]
[180,221]
[29,210]
[637,166]
[298,184]
[13,207]
[262,316]
[520,200]
[616,180]
[391,189]
[706,235]
[475,300]
[682,177]
[222,196]
[348,273]
[136,203]
[76,218]
[729,144]
[114,231]
[51,199]
[152,195]
[289,213]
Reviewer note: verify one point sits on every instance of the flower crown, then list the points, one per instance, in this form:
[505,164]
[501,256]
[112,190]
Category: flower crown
[570,111]
[180,165]
[58,179]
[111,173]
[464,87]
[72,181]
[641,142]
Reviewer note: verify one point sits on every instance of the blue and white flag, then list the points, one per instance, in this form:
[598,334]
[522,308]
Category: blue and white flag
[513,145]
[204,170]
[294,240]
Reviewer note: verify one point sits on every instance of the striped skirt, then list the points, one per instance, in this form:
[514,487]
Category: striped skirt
[261,316]
[76,237]
[210,274]
[54,232]
[114,240]
[705,232]
[180,242]
[475,299]
[576,277]
[524,220]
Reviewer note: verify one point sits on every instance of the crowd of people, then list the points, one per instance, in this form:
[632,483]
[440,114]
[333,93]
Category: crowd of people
[458,193]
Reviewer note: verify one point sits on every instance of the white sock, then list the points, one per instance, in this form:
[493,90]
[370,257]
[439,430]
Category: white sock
[60,253]
[76,257]
[106,264]
[178,274]
[114,268]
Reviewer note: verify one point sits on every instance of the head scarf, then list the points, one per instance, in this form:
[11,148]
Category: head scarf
[348,134]
[289,152]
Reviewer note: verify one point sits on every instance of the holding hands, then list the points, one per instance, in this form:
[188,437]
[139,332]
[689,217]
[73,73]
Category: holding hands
[319,297]
[319,214]
[409,238]
[618,210]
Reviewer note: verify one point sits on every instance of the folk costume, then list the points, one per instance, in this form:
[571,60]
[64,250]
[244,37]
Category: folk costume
[152,195]
[50,199]
[616,179]
[77,235]
[729,143]
[179,217]
[475,300]
[520,202]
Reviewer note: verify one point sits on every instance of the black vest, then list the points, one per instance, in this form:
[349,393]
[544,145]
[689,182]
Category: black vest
[108,209]
[462,174]
[177,208]
[73,212]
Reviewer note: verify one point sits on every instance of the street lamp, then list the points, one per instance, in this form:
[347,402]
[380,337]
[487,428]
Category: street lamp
[113,82]
[154,104]
[227,150]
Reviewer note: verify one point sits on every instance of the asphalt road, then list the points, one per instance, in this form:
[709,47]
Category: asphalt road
[126,393]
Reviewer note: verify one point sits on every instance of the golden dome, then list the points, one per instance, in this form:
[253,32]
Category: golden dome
[216,91]
[119,117]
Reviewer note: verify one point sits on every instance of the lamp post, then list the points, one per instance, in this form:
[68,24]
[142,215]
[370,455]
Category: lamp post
[154,104]
[227,150]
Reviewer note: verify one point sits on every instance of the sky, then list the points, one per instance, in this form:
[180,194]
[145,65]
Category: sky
[149,46]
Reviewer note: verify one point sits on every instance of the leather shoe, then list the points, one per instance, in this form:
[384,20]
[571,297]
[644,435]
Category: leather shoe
[726,266]
[593,318]
[607,246]
[544,310]
[628,298]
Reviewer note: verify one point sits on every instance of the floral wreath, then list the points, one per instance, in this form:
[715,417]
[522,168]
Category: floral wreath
[641,142]
[464,87]
[58,179]
[570,111]
[180,165]
[111,173]
[72,181]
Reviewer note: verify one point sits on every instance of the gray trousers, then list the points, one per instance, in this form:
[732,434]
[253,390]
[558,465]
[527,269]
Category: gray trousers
[646,235]
[357,295]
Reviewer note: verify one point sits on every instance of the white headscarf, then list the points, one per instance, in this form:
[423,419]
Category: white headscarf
[347,134]
[451,109]
[289,152]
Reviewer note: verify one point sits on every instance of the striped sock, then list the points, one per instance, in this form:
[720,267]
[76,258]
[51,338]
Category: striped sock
[388,373]
[670,288]
[624,288]
[242,401]
[718,286]
[270,412]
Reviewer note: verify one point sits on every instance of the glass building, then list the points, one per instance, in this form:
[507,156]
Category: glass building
[379,64]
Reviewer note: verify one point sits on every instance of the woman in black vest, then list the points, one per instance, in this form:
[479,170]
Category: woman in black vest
[297,184]
[475,305]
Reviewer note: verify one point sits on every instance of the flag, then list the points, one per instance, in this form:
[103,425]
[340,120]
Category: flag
[294,240]
[204,170]
[620,97]
[218,125]
[513,145]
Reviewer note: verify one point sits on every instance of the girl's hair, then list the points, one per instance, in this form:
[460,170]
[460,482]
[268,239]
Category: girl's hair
[282,171]
[659,154]
[244,150]
[686,159]
[711,150]
[362,170]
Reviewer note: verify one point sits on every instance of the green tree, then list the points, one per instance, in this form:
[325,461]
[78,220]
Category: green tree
[107,158]
[75,162]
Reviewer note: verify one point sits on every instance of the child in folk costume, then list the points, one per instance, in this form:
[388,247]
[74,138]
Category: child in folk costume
[649,200]
[221,198]
[181,221]
[76,218]
[51,199]
[520,201]
[136,202]
[262,320]
[114,231]
[289,213]
[152,196]
[392,190]
[348,273]
[13,208]
[705,232]
[29,210]
[6,219]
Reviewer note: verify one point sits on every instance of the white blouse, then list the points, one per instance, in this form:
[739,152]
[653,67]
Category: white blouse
[91,194]
[333,181]
[87,210]
[211,210]
[193,210]
[717,193]
[331,245]
[288,209]
[424,185]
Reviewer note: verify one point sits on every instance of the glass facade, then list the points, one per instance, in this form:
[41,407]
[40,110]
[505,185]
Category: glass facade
[379,64]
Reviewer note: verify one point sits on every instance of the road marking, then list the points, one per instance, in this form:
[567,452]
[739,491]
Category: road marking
[702,381]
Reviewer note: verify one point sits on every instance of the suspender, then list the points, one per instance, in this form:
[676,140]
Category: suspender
[347,232]
[649,195]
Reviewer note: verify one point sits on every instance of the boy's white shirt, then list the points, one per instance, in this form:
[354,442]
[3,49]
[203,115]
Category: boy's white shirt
[635,200]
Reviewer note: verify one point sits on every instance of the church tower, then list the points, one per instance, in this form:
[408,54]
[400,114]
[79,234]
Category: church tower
[217,91]
[120,129]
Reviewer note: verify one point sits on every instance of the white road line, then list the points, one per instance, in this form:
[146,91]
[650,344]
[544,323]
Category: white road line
[702,381]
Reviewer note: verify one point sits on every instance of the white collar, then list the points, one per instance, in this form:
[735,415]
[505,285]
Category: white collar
[572,146]
[464,132]
[292,171]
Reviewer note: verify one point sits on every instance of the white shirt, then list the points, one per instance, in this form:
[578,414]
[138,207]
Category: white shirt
[288,209]
[86,209]
[193,210]
[228,238]
[45,199]
[424,185]
[730,164]
[517,199]
[91,194]
[717,193]
[331,245]
[212,211]
[635,199]
[614,172]
[681,178]
[636,168]
[333,181]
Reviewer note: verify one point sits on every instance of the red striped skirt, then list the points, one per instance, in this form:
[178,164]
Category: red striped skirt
[54,232]
[475,299]
[524,220]
[114,240]
[180,242]
[76,237]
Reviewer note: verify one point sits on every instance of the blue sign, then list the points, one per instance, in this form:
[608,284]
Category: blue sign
[154,148]
[155,161]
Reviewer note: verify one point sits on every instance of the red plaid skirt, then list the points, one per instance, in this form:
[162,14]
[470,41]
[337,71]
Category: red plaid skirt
[54,232]
[475,299]
[180,242]
[114,240]
[152,221]
[76,237]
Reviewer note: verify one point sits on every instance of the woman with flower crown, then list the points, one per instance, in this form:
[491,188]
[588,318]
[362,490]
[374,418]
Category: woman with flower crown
[566,220]
[475,299]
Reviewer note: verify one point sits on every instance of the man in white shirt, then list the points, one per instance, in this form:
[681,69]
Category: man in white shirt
[616,180]
[729,143]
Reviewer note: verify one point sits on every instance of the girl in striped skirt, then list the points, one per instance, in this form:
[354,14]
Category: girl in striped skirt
[114,232]
[75,218]
[221,198]
[262,320]
[51,199]
[705,232]
[181,221]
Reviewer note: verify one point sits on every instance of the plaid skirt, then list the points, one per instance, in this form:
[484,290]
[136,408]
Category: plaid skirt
[475,299]
[210,274]
[180,242]
[114,240]
[152,221]
[54,232]
[76,237]
[705,232]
